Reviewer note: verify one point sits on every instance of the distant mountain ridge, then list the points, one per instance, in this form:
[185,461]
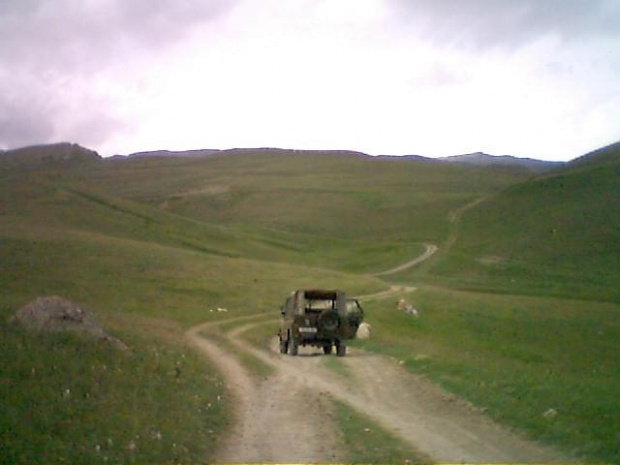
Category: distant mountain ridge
[65,152]
[238,150]
[174,153]
[483,159]
[478,158]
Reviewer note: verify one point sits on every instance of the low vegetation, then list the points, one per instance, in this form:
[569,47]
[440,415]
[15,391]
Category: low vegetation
[542,365]
[557,234]
[519,308]
[367,442]
[69,399]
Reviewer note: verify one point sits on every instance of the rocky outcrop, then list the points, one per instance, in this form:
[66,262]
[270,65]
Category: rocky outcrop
[56,314]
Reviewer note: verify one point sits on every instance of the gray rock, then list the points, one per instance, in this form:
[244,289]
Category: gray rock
[56,314]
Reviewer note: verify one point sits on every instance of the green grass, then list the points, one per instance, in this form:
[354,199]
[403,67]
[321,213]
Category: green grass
[67,399]
[129,276]
[116,257]
[558,234]
[366,442]
[351,198]
[171,239]
[517,357]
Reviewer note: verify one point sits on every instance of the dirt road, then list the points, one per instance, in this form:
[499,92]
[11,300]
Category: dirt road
[428,253]
[279,418]
[284,418]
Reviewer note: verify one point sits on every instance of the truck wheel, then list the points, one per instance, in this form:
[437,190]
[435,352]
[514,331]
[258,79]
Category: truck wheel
[294,349]
[293,346]
[327,349]
[341,348]
[283,345]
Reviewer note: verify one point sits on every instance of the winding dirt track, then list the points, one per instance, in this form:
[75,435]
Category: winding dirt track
[284,418]
[428,253]
[278,419]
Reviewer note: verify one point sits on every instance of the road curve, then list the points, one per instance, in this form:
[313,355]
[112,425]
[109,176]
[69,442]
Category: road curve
[283,418]
[428,253]
[276,419]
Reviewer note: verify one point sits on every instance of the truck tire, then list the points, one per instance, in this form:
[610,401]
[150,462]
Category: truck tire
[341,348]
[283,345]
[327,349]
[293,346]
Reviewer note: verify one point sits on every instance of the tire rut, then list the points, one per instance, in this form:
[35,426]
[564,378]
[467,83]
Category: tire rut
[432,421]
[277,419]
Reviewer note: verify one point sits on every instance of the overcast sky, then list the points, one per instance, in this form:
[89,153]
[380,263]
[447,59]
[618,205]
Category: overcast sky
[535,78]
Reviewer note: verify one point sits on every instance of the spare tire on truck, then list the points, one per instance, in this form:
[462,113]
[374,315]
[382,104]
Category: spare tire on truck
[329,320]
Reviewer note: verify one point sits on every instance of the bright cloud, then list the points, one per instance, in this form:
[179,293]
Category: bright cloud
[382,76]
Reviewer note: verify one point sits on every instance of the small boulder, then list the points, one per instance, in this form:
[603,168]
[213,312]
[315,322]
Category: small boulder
[364,331]
[56,314]
[550,414]
[406,307]
[412,312]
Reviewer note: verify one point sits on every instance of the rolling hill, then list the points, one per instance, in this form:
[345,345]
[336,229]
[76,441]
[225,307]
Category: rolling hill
[483,159]
[510,305]
[558,233]
[47,156]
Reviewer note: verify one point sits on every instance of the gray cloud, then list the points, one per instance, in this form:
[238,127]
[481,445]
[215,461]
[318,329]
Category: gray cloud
[508,23]
[75,35]
[65,63]
[46,45]
[22,123]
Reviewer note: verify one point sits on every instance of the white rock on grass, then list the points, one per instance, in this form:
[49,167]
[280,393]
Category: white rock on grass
[364,331]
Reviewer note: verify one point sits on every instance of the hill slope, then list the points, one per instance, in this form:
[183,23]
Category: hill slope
[138,241]
[347,196]
[47,156]
[559,232]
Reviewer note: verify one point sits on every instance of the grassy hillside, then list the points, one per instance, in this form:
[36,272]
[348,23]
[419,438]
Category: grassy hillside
[558,234]
[152,245]
[334,196]
[546,366]
[68,400]
[146,274]
[123,256]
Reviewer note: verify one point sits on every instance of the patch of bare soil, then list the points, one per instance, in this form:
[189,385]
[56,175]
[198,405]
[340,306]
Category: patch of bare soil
[392,291]
[428,253]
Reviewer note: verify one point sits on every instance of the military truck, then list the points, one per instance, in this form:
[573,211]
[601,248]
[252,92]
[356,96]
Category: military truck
[319,318]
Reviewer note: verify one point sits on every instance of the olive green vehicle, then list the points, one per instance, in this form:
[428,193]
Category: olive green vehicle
[319,318]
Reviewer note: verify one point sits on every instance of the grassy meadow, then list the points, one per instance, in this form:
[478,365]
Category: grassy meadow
[546,366]
[519,307]
[67,399]
[557,234]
